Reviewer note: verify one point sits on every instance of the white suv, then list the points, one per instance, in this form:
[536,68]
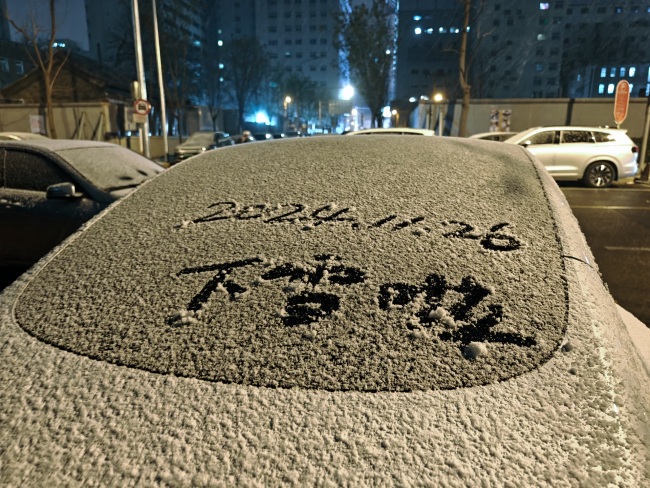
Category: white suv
[597,156]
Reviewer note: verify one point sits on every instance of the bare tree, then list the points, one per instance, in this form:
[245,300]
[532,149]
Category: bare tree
[181,56]
[44,55]
[214,93]
[463,70]
[366,37]
[247,67]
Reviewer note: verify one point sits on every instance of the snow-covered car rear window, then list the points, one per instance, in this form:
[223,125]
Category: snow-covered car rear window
[335,263]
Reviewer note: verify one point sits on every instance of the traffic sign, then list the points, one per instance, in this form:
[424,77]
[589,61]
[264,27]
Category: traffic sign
[141,106]
[621,101]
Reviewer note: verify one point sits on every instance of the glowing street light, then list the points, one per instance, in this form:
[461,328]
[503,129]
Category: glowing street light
[347,92]
[287,101]
[438,98]
[396,115]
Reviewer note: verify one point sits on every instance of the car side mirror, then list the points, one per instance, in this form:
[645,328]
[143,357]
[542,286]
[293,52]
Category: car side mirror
[61,190]
[526,143]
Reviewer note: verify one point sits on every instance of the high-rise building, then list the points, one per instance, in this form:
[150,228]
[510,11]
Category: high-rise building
[297,34]
[427,52]
[559,48]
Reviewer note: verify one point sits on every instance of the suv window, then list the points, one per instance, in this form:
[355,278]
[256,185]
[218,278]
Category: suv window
[546,137]
[603,137]
[576,136]
[29,171]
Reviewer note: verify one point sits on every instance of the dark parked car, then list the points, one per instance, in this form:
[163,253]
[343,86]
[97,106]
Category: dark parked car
[263,136]
[325,311]
[48,188]
[202,141]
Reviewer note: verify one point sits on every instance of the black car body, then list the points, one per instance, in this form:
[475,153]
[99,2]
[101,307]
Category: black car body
[48,188]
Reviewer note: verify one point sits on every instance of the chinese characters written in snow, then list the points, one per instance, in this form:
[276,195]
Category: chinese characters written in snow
[462,320]
[497,238]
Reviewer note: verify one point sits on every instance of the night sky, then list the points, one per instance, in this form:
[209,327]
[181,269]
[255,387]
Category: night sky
[70,18]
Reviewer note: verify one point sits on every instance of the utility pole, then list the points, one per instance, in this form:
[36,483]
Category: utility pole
[163,107]
[143,128]
[643,165]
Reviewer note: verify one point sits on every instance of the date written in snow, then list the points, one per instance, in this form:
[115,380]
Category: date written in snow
[498,237]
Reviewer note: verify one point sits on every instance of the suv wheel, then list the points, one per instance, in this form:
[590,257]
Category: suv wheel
[599,175]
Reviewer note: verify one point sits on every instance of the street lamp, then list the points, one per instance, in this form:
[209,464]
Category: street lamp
[287,101]
[438,98]
[396,115]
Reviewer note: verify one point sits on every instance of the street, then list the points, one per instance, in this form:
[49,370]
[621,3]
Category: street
[616,224]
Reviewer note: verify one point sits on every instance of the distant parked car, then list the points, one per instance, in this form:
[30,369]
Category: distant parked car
[392,131]
[263,136]
[244,137]
[493,136]
[597,156]
[202,141]
[294,133]
[20,136]
[48,188]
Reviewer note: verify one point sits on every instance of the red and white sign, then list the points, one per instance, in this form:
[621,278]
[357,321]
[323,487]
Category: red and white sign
[141,106]
[621,101]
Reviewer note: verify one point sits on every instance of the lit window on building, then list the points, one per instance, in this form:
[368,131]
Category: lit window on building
[601,89]
[417,17]
[418,31]
[610,88]
[631,87]
[622,71]
[618,10]
[612,72]
[541,37]
[442,30]
[603,72]
[632,71]
[544,6]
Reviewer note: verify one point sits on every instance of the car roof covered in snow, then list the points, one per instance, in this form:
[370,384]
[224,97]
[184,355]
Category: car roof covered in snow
[325,310]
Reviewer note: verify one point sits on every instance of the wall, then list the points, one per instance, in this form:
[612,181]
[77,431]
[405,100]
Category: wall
[526,113]
[90,121]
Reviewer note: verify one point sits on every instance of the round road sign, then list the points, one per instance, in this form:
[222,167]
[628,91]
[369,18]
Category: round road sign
[141,106]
